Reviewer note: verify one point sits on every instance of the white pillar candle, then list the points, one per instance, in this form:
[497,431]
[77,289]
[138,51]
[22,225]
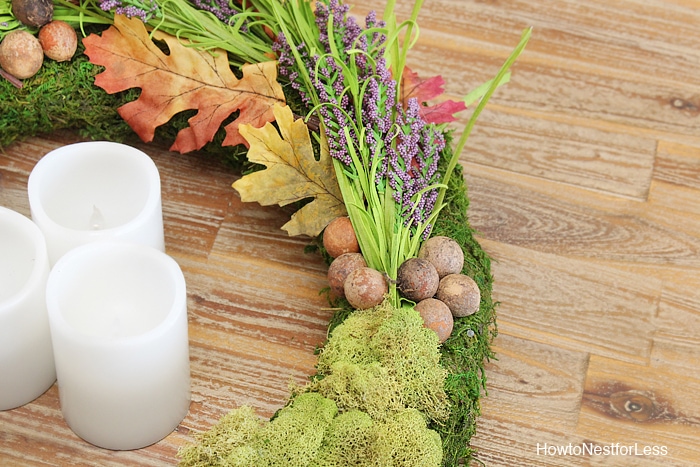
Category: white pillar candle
[96,190]
[118,318]
[26,356]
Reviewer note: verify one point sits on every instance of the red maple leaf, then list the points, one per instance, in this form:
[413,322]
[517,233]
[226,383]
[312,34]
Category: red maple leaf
[424,90]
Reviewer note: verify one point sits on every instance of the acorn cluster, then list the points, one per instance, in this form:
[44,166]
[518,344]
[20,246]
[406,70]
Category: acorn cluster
[22,53]
[433,280]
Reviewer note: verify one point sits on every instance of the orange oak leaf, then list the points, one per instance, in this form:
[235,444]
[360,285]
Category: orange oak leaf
[185,78]
[427,89]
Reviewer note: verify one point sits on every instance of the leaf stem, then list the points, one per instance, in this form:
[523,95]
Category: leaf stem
[494,84]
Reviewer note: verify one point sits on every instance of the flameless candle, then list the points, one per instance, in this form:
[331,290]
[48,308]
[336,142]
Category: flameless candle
[118,319]
[96,190]
[26,356]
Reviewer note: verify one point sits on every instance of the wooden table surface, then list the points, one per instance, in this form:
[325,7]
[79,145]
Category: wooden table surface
[584,179]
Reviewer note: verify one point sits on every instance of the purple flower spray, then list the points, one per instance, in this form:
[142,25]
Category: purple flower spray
[386,154]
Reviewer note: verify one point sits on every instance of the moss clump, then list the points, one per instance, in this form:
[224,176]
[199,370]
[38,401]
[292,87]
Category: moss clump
[347,441]
[365,408]
[404,441]
[294,437]
[228,443]
[396,341]
[241,439]
[370,388]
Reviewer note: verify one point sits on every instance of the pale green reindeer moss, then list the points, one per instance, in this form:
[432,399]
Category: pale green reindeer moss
[294,437]
[404,441]
[396,341]
[242,439]
[369,388]
[347,441]
[379,383]
[228,443]
[401,440]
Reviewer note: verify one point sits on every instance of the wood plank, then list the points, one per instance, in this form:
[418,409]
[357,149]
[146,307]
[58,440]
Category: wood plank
[572,93]
[679,307]
[630,404]
[564,152]
[226,296]
[561,219]
[197,203]
[537,384]
[681,354]
[678,164]
[677,202]
[569,302]
[651,40]
[255,230]
[675,188]
[503,442]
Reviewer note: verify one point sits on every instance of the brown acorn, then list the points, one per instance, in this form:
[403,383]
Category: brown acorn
[33,13]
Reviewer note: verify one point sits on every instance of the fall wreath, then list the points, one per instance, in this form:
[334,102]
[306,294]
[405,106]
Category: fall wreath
[319,110]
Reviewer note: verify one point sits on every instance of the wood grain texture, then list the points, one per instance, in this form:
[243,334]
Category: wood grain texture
[584,180]
[631,405]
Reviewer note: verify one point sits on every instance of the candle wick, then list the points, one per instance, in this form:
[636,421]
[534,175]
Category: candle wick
[96,219]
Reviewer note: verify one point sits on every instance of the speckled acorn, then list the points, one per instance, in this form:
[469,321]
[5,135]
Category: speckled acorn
[436,316]
[339,237]
[460,293]
[59,40]
[340,269]
[444,253]
[365,288]
[417,279]
[21,54]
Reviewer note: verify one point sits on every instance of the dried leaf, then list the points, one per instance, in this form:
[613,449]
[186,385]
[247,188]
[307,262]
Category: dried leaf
[185,78]
[292,173]
[425,90]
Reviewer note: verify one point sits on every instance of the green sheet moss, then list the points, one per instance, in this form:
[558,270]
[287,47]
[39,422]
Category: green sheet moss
[62,96]
[465,351]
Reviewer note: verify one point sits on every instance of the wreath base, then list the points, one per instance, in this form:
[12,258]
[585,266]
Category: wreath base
[63,96]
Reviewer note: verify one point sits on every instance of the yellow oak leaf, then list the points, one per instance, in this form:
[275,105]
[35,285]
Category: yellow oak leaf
[292,173]
[183,79]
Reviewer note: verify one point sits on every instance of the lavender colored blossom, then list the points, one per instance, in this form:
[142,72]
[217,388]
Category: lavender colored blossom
[405,148]
[219,8]
[144,10]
